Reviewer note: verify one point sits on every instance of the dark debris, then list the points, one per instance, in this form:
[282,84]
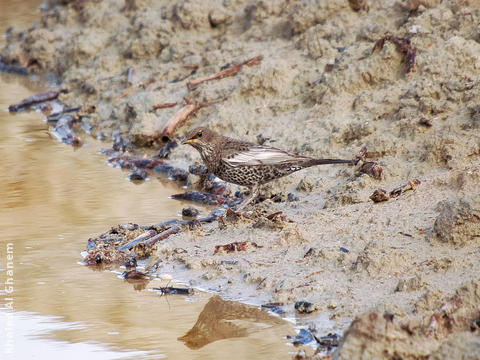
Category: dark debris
[305,307]
[403,45]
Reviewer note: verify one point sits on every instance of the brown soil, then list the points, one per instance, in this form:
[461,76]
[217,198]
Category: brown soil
[406,274]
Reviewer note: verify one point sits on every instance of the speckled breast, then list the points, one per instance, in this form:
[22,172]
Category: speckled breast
[250,175]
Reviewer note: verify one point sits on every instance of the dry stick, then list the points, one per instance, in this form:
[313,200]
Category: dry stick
[191,67]
[380,195]
[182,115]
[151,237]
[163,235]
[212,216]
[174,290]
[230,71]
[14,69]
[34,99]
[193,70]
[178,119]
[180,225]
[146,235]
[56,116]
[164,106]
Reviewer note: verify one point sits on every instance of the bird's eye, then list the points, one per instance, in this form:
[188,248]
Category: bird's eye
[199,135]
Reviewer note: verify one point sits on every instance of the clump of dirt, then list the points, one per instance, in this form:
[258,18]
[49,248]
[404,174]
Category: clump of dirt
[401,78]
[459,222]
[386,336]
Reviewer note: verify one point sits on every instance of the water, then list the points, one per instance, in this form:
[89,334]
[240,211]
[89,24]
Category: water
[52,199]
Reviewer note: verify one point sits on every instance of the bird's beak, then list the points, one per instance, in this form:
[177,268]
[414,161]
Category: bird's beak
[187,141]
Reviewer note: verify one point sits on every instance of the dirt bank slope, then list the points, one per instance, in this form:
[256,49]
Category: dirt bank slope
[319,90]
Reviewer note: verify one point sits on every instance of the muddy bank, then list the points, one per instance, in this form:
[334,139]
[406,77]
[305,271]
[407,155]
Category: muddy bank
[325,87]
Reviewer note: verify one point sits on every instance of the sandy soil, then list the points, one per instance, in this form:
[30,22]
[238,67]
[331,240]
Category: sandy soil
[403,270]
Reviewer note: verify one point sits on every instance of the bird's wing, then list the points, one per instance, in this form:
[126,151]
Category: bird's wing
[260,155]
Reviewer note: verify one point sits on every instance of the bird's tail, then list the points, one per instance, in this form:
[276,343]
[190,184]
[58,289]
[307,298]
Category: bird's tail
[314,162]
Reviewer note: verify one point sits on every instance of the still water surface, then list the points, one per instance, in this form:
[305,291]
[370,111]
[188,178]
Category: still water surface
[52,199]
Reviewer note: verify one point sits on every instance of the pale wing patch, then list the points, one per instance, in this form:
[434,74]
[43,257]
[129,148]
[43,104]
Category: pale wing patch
[261,156]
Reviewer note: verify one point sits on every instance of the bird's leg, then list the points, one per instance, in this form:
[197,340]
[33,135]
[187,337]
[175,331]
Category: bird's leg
[253,194]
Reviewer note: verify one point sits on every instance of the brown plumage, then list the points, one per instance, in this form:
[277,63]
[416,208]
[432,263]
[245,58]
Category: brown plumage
[248,164]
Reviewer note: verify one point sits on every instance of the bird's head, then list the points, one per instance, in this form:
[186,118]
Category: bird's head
[200,138]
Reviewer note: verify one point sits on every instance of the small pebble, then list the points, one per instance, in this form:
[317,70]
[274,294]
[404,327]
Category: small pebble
[137,175]
[304,337]
[292,197]
[177,174]
[131,262]
[331,305]
[190,212]
[198,169]
[163,168]
[329,341]
[305,307]
[475,325]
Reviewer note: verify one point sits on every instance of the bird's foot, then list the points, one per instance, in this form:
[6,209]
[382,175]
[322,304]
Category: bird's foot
[248,200]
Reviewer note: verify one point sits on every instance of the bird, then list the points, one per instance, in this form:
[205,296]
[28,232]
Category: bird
[248,164]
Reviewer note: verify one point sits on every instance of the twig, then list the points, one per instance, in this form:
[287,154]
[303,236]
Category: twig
[14,69]
[193,70]
[314,273]
[163,235]
[380,195]
[149,241]
[179,118]
[182,115]
[163,106]
[56,116]
[146,235]
[229,71]
[34,99]
[174,290]
[212,216]
[108,253]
